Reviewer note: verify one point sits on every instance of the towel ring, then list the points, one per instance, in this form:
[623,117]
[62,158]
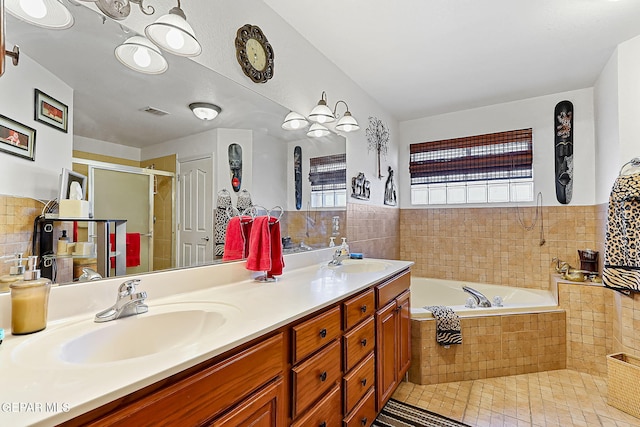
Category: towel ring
[633,163]
[277,209]
[231,211]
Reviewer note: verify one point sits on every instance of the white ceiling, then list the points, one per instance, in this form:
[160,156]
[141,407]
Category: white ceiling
[423,57]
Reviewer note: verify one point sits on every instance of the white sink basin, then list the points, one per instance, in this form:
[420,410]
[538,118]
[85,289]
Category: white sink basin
[168,327]
[351,266]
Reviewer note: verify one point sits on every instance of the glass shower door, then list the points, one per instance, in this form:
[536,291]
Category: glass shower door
[127,195]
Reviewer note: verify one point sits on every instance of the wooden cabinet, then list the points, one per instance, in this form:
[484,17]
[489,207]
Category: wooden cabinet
[393,336]
[335,367]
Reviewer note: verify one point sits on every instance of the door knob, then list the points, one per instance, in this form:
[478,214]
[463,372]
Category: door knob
[205,238]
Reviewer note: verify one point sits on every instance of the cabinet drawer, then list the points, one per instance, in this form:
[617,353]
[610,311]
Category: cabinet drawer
[357,308]
[312,378]
[326,413]
[202,396]
[358,381]
[393,287]
[364,414]
[358,342]
[314,333]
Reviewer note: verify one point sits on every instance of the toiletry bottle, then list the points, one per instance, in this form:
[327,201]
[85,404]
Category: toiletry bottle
[63,243]
[344,248]
[332,242]
[29,301]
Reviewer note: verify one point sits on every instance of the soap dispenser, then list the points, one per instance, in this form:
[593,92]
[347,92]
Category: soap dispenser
[344,247]
[29,301]
[16,272]
[332,242]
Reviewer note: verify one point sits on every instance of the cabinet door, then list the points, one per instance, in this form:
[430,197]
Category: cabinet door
[265,408]
[404,334]
[387,373]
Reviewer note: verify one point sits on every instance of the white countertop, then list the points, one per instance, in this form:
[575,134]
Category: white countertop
[41,389]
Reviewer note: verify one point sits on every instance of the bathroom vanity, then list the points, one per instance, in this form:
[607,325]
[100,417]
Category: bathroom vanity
[321,346]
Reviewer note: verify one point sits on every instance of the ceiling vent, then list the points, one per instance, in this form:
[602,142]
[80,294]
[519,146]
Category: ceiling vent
[155,111]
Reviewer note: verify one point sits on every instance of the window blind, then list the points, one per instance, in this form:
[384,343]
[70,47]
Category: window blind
[328,172]
[501,155]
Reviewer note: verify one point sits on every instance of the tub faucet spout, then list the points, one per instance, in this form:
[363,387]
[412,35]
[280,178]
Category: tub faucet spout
[481,300]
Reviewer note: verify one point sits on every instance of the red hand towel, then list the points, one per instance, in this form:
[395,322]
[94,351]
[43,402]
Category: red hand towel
[236,242]
[277,261]
[132,249]
[259,258]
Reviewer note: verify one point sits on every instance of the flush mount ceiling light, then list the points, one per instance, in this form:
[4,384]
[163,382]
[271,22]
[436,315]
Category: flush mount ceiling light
[294,121]
[205,110]
[43,13]
[173,33]
[317,130]
[141,55]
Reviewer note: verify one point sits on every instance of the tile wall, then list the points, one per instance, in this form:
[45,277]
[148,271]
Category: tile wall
[314,227]
[16,226]
[491,245]
[492,346]
[374,231]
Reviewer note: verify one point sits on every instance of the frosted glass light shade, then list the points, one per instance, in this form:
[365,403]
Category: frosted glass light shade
[317,130]
[173,33]
[321,113]
[347,123]
[141,55]
[294,121]
[42,13]
[205,110]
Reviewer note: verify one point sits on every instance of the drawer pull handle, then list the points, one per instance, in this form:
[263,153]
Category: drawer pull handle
[323,333]
[363,382]
[323,424]
[364,421]
[323,376]
[363,308]
[364,342]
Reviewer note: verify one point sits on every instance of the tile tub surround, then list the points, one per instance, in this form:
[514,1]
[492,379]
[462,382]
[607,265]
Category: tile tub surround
[488,245]
[374,230]
[492,346]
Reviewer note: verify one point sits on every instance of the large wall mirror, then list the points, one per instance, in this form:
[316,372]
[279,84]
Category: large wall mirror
[152,162]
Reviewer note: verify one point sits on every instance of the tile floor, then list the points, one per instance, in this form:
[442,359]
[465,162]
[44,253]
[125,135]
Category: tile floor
[553,398]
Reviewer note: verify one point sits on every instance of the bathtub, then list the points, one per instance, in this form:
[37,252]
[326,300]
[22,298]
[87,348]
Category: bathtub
[426,291]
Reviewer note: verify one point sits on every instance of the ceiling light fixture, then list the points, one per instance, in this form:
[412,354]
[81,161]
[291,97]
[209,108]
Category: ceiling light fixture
[49,14]
[173,33]
[205,110]
[141,55]
[321,113]
[317,130]
[119,9]
[294,121]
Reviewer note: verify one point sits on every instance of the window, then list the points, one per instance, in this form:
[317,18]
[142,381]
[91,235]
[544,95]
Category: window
[490,168]
[328,177]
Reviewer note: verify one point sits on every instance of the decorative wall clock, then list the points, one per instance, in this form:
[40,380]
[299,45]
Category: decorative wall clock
[254,53]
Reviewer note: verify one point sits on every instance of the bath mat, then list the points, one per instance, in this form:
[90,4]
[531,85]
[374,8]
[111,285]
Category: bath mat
[398,414]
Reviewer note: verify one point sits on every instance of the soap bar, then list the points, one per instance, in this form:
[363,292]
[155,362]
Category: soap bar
[356,255]
[74,208]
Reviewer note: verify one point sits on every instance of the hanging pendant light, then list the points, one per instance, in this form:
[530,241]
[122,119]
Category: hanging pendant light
[321,113]
[317,131]
[173,33]
[141,55]
[294,121]
[49,14]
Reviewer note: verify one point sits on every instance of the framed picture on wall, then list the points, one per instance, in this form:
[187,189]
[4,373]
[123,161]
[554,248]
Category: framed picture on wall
[17,139]
[51,111]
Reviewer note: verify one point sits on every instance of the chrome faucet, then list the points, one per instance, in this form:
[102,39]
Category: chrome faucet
[481,300]
[128,303]
[338,256]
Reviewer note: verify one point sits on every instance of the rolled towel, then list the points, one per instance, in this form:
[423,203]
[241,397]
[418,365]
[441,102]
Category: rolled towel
[447,325]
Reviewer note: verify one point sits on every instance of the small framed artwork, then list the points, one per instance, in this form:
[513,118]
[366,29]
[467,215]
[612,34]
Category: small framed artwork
[17,139]
[51,111]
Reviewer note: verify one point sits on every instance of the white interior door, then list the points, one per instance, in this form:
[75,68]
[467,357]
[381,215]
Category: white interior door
[127,195]
[195,229]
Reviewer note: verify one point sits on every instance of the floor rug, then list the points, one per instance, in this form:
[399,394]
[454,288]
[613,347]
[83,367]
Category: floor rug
[398,414]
